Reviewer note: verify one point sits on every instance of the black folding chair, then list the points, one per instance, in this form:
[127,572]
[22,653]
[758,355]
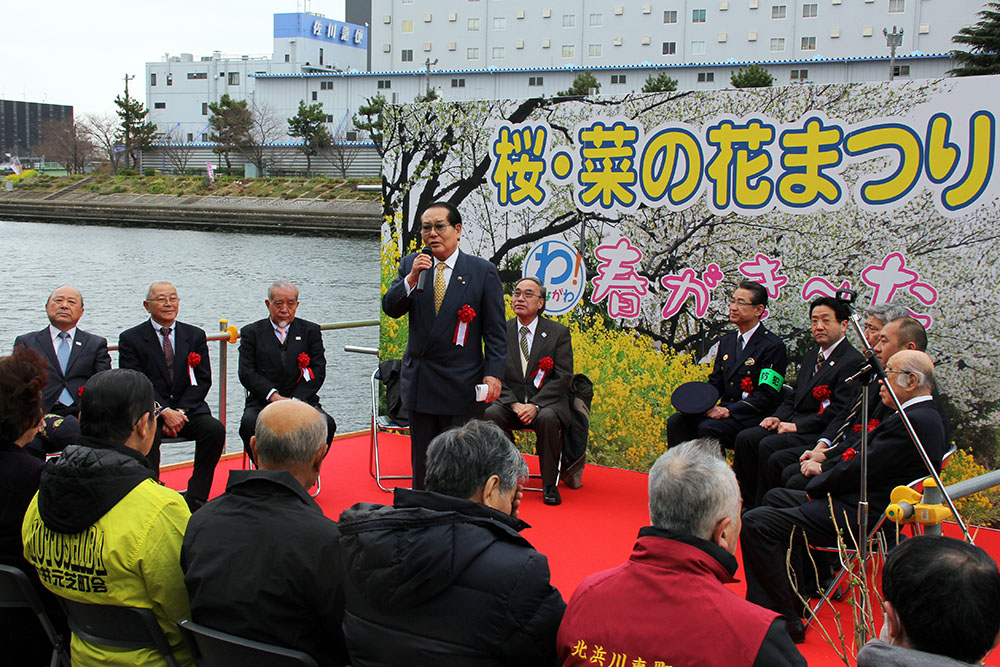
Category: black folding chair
[16,592]
[121,627]
[212,648]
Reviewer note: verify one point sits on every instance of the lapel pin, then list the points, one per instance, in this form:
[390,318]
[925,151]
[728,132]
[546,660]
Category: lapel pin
[725,357]
[749,362]
[76,342]
[544,334]
[298,338]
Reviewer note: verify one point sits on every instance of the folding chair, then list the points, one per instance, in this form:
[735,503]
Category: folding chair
[381,423]
[213,648]
[121,627]
[16,592]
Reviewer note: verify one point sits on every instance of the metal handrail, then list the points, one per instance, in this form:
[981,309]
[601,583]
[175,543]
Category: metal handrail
[228,333]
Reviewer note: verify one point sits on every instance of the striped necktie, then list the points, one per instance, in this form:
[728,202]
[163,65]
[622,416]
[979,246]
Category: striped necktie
[525,351]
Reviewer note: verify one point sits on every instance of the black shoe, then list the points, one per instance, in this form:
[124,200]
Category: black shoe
[550,495]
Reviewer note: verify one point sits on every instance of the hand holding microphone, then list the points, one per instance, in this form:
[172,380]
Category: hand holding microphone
[419,270]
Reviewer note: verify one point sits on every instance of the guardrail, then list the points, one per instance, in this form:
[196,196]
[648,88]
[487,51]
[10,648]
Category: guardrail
[229,334]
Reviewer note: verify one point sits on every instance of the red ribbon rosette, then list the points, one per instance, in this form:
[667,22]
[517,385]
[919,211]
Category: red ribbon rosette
[857,428]
[872,424]
[304,371]
[465,315]
[79,392]
[822,394]
[848,454]
[545,364]
[746,384]
[193,360]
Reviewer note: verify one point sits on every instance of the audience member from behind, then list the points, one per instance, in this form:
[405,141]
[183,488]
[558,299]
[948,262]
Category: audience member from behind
[22,377]
[668,604]
[261,561]
[940,605]
[101,530]
[442,577]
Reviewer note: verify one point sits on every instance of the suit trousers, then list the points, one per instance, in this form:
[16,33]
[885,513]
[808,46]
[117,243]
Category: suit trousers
[750,462]
[209,437]
[783,465]
[681,428]
[548,436]
[248,424]
[424,427]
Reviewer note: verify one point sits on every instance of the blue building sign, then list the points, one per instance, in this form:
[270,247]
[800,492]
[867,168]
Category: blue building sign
[320,28]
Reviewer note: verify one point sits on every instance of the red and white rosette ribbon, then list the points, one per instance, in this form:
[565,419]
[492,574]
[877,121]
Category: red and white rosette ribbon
[304,372]
[822,394]
[746,386]
[193,360]
[465,315]
[545,365]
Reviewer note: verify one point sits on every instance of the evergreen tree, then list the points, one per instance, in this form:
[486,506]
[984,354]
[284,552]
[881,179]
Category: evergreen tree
[370,117]
[755,76]
[984,40]
[134,131]
[231,122]
[309,125]
[430,96]
[582,85]
[660,83]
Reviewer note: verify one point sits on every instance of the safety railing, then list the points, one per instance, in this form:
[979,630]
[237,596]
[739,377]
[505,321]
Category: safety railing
[229,334]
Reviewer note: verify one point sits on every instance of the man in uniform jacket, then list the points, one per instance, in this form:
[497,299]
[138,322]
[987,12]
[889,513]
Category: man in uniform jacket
[456,336]
[281,357]
[73,355]
[535,385]
[748,391]
[174,356]
[820,393]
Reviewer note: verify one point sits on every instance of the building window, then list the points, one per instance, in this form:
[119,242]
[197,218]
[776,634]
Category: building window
[204,108]
[163,105]
[152,78]
[777,44]
[407,26]
[472,54]
[698,48]
[534,80]
[499,23]
[204,136]
[326,85]
[473,25]
[314,95]
[234,78]
[897,6]
[596,20]
[329,118]
[778,11]
[800,75]
[321,56]
[569,20]
[190,137]
[497,53]
[406,55]
[698,15]
[458,83]
[901,70]
[809,11]
[384,84]
[594,50]
[197,75]
[670,48]
[617,78]
[808,43]
[670,16]
[706,77]
[568,50]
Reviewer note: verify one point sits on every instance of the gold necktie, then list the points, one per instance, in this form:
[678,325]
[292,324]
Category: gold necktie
[439,287]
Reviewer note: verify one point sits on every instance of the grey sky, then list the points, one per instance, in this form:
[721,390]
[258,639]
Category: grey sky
[77,53]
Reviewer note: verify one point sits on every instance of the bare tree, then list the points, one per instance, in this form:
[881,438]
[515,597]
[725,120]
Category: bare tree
[257,147]
[66,142]
[102,130]
[342,153]
[177,153]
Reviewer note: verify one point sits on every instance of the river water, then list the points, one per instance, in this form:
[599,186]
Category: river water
[218,276]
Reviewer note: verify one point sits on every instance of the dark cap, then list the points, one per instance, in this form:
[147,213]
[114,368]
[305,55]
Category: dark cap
[694,398]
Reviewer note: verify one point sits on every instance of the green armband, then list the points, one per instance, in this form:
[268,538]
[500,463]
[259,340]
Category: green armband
[771,379]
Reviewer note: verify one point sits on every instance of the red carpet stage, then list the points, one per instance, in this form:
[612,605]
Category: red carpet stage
[592,530]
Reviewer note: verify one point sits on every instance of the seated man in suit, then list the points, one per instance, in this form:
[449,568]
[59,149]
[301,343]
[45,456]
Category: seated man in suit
[174,356]
[742,357]
[281,357]
[893,460]
[820,393]
[73,355]
[536,380]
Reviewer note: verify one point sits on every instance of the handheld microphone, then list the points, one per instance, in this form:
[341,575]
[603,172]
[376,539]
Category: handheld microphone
[422,278]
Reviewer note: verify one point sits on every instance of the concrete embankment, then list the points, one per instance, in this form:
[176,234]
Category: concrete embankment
[313,217]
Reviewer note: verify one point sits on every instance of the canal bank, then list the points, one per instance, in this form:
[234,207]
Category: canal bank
[263,215]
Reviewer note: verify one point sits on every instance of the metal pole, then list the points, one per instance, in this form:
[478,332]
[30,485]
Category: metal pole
[223,370]
[893,40]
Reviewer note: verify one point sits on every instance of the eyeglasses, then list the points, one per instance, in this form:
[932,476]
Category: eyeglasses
[164,300]
[739,302]
[527,295]
[887,372]
[281,304]
[439,227]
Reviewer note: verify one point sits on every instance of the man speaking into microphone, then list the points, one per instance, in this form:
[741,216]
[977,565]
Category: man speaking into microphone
[456,351]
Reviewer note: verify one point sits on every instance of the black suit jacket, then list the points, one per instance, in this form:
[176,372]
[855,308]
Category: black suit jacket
[551,340]
[88,355]
[139,349]
[266,364]
[802,408]
[765,350]
[892,461]
[438,376]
